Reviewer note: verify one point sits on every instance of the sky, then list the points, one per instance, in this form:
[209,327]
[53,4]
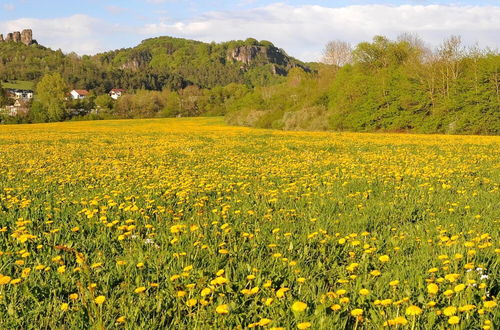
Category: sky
[301,27]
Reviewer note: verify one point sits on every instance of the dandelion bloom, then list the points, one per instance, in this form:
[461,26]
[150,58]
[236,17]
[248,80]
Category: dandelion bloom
[490,304]
[64,307]
[432,288]
[357,312]
[449,311]
[281,292]
[413,310]
[364,292]
[304,325]
[140,289]
[263,322]
[299,306]
[384,258]
[222,309]
[100,300]
[454,320]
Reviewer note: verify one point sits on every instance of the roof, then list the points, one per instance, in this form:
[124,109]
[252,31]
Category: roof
[118,90]
[81,92]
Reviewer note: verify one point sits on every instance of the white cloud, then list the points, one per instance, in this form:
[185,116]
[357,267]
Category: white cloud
[304,30]
[301,30]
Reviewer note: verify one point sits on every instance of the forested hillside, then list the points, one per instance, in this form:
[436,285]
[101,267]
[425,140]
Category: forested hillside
[391,86]
[155,64]
[383,85]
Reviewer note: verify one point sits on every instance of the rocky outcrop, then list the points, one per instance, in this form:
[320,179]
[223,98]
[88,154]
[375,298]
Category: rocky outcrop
[25,37]
[263,55]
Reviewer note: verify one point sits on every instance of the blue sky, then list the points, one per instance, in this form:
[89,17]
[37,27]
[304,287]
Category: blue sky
[301,27]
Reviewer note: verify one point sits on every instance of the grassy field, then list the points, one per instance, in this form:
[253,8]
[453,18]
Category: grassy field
[194,224]
[19,84]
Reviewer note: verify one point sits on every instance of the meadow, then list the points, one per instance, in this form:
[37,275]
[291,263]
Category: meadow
[192,224]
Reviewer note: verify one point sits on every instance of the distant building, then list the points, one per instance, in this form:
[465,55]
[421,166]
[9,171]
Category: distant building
[20,94]
[115,93]
[79,94]
[20,107]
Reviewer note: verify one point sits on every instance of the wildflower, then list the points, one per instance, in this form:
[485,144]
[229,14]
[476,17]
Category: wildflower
[222,309]
[490,304]
[364,292]
[64,307]
[191,302]
[263,322]
[281,292]
[432,288]
[454,320]
[384,258]
[449,311]
[100,300]
[304,325]
[299,306]
[140,289]
[357,312]
[413,310]
[335,307]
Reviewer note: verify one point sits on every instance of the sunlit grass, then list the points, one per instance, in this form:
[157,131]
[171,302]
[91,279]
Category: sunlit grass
[193,224]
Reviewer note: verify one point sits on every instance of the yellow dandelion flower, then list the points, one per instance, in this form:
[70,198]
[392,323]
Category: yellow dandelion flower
[299,306]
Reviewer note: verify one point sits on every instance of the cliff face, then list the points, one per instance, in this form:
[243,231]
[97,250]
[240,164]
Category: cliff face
[258,55]
[25,37]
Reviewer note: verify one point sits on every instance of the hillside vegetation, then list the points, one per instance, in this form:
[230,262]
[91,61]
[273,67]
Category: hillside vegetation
[155,64]
[386,85]
[391,86]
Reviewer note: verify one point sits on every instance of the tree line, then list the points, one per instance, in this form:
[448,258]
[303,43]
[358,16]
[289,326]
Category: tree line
[388,85]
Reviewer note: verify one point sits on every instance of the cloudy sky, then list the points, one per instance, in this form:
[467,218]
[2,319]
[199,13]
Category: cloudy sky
[301,27]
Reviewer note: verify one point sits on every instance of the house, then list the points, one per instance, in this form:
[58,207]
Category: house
[20,94]
[20,107]
[115,93]
[79,94]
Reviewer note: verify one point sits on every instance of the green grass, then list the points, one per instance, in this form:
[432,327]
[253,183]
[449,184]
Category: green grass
[147,212]
[19,84]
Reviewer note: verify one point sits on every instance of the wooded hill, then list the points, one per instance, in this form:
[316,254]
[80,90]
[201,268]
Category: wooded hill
[382,85]
[155,64]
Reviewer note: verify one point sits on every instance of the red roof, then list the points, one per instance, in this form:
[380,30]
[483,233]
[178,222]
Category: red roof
[82,92]
[118,90]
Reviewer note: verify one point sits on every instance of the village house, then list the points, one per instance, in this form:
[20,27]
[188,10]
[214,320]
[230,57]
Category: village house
[79,94]
[115,93]
[19,108]
[20,94]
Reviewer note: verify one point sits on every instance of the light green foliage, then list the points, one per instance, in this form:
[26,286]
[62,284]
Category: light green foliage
[51,93]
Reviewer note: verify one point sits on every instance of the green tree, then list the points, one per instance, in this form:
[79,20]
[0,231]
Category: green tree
[104,103]
[3,96]
[51,94]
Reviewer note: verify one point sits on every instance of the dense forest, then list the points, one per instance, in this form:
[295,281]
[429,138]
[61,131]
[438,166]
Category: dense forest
[387,85]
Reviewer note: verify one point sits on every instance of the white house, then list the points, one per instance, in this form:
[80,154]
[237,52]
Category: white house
[20,94]
[115,93]
[79,94]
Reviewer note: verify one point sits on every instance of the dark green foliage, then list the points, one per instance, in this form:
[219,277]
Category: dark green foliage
[155,64]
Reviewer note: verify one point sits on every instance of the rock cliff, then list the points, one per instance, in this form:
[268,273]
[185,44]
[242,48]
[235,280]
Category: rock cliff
[258,55]
[25,37]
